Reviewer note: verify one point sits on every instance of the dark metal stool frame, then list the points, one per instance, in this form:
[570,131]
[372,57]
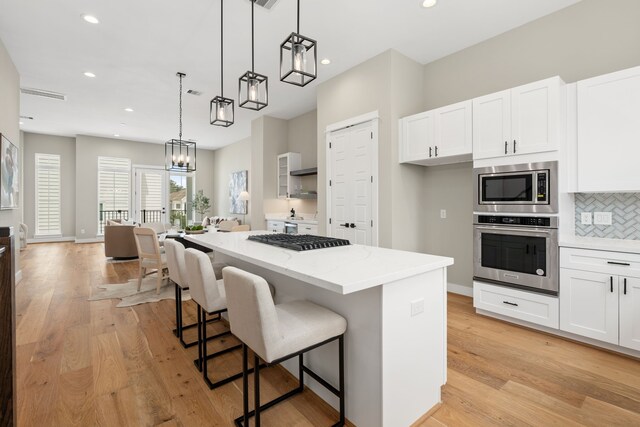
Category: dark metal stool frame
[243,421]
[178,331]
[203,357]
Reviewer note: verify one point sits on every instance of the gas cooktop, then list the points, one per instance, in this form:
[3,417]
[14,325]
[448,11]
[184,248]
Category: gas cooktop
[299,242]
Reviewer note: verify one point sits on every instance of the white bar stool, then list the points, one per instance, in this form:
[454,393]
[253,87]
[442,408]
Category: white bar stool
[209,294]
[178,275]
[277,333]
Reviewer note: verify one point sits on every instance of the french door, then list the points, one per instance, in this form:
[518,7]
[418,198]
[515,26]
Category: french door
[150,195]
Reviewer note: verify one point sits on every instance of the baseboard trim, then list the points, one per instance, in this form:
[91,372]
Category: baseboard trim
[428,415]
[94,240]
[51,239]
[455,288]
[18,276]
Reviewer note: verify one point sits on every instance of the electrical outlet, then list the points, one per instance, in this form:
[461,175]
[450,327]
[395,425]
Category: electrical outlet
[602,218]
[443,213]
[417,307]
[585,218]
[82,231]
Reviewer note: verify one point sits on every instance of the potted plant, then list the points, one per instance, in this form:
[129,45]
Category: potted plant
[201,204]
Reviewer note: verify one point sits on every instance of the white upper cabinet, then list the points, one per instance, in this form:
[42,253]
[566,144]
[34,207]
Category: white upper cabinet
[522,120]
[609,132]
[417,135]
[437,136]
[288,185]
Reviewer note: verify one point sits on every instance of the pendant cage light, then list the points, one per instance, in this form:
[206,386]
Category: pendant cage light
[221,109]
[298,58]
[180,155]
[253,88]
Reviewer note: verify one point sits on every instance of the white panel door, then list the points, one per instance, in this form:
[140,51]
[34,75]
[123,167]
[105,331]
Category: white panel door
[341,186]
[351,209]
[418,134]
[589,304]
[609,132]
[150,199]
[534,117]
[629,312]
[492,125]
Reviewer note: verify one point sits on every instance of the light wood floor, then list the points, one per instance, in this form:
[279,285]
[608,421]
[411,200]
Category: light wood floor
[86,363]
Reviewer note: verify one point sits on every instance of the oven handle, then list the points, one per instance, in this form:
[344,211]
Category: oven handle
[513,229]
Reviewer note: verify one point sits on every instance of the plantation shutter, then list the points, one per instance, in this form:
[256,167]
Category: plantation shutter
[114,184]
[48,195]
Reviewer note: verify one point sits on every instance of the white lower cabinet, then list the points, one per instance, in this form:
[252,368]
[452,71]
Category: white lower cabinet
[601,299]
[275,226]
[531,307]
[308,229]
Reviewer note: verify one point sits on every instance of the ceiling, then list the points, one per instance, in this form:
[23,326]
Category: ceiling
[138,46]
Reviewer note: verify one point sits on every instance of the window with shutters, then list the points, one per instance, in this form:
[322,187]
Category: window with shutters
[114,187]
[48,221]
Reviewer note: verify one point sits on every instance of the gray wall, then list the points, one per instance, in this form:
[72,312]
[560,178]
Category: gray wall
[66,148]
[590,38]
[89,148]
[302,138]
[391,84]
[9,116]
[232,158]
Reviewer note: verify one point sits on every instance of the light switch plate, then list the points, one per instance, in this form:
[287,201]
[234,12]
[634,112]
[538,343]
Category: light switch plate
[443,213]
[585,218]
[602,218]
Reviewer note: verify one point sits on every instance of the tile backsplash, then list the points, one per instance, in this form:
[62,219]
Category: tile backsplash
[625,215]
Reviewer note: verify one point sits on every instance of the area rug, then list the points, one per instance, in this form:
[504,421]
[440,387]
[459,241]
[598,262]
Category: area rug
[128,292]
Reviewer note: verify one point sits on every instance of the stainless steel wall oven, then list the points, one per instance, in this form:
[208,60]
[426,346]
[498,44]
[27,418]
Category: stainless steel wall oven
[517,251]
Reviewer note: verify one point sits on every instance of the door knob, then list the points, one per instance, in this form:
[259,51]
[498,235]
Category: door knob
[345,225]
[352,225]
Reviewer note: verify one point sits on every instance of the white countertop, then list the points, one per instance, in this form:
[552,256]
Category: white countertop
[596,243]
[343,269]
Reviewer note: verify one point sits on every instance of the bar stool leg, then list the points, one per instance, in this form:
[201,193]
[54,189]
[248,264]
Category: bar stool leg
[301,372]
[178,329]
[245,386]
[199,338]
[256,387]
[203,363]
[341,380]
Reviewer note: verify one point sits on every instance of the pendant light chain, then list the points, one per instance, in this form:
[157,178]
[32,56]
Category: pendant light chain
[221,48]
[252,52]
[298,30]
[180,120]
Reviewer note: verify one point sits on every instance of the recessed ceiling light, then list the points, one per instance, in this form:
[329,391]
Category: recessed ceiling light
[117,135]
[429,3]
[128,110]
[90,19]
[21,123]
[89,74]
[325,61]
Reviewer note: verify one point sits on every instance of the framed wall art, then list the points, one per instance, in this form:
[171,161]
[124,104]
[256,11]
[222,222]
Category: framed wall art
[237,184]
[9,174]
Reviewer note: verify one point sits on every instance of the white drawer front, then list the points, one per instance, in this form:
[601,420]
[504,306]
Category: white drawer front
[535,308]
[616,263]
[307,229]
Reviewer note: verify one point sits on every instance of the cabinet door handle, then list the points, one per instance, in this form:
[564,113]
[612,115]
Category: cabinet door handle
[506,144]
[429,152]
[625,285]
[436,151]
[510,303]
[618,263]
[611,283]
[514,146]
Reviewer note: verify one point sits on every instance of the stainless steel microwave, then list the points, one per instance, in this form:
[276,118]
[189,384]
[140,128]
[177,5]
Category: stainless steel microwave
[523,188]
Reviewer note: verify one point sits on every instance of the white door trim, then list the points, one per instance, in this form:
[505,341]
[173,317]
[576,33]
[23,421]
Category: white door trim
[369,117]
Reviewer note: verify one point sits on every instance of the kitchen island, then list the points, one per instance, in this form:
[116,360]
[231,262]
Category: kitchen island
[395,305]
